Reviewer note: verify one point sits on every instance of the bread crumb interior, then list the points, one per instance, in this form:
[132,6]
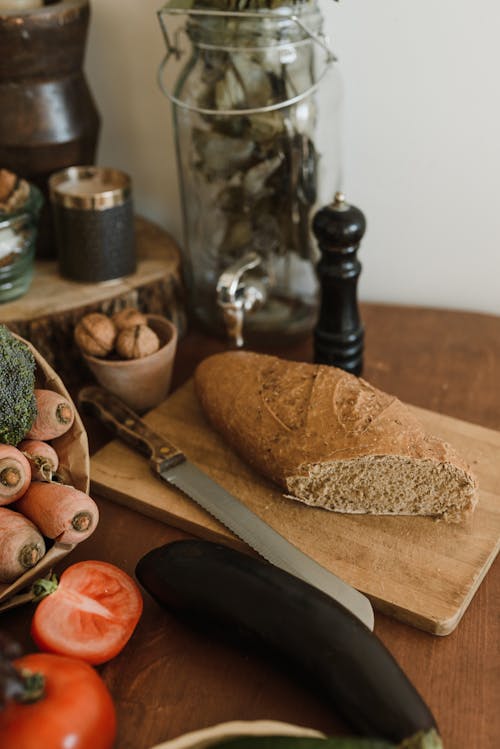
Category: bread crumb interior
[386,485]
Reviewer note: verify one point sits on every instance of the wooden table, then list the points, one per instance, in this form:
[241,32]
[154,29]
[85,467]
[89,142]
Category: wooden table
[170,680]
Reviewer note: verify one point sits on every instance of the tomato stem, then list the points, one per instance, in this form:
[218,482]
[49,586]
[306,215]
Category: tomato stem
[44,587]
[33,686]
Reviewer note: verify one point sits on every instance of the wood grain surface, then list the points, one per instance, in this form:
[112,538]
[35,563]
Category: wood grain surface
[418,570]
[171,679]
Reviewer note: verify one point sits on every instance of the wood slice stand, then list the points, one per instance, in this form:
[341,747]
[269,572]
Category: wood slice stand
[47,314]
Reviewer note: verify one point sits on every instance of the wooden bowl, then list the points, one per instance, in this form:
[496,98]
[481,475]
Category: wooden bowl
[73,451]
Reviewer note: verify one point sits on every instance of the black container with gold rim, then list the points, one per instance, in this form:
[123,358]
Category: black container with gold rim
[93,217]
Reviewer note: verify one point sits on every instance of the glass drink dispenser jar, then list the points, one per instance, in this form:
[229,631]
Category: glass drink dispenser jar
[246,122]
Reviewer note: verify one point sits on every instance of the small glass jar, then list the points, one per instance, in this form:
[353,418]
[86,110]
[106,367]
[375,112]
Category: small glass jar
[245,117]
[94,223]
[18,231]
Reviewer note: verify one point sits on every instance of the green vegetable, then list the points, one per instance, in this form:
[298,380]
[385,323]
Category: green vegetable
[17,385]
[301,742]
[421,740]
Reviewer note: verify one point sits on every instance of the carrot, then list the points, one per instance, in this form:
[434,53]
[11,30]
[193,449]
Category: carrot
[15,474]
[55,415]
[21,545]
[42,458]
[59,511]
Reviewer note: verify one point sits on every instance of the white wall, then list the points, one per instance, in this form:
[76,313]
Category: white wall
[420,136]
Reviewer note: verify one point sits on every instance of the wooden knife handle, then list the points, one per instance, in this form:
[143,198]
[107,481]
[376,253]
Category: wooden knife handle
[127,425]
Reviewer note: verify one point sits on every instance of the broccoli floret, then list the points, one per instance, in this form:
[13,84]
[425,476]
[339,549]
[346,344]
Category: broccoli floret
[17,385]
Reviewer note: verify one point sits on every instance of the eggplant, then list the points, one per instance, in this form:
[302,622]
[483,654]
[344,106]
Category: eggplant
[217,585]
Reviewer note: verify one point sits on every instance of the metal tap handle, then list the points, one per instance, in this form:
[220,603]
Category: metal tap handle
[235,298]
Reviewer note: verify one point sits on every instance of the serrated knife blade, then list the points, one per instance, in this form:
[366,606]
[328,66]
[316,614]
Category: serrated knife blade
[174,468]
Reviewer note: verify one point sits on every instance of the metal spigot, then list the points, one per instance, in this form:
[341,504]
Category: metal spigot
[236,297]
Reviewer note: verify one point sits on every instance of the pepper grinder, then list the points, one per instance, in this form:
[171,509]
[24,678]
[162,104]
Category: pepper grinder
[339,333]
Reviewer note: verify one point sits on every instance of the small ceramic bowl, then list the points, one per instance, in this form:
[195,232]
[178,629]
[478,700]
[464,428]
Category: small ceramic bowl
[142,383]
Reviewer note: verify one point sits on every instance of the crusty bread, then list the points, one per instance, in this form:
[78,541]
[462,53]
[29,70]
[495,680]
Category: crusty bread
[332,440]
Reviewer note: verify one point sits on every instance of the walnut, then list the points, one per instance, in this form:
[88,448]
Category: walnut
[7,184]
[14,192]
[95,334]
[137,342]
[128,317]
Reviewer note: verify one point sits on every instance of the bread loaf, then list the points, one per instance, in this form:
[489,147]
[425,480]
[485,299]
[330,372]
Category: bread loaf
[332,440]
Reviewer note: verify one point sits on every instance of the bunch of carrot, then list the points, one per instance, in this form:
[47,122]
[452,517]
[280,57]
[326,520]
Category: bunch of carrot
[34,506]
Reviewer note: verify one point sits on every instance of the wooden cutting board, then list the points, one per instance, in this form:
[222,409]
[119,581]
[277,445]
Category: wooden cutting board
[418,570]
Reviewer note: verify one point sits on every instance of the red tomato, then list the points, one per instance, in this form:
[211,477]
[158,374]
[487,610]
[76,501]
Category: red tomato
[76,711]
[91,615]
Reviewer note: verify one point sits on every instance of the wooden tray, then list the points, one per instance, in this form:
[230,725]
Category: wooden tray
[417,570]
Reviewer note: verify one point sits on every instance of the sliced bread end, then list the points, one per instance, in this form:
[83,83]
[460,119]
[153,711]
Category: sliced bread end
[386,485]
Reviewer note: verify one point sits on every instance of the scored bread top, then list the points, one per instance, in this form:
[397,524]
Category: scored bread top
[281,415]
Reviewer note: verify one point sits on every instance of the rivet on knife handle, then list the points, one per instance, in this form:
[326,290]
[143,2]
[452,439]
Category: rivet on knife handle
[126,424]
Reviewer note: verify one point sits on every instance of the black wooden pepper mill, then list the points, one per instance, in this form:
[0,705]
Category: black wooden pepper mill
[339,333]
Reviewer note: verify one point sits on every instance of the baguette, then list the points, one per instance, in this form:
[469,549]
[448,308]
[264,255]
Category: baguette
[330,439]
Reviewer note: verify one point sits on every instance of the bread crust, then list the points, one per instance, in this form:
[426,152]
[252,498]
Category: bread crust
[283,417]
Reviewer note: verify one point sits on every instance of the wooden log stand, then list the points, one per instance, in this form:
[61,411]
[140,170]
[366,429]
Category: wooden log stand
[47,314]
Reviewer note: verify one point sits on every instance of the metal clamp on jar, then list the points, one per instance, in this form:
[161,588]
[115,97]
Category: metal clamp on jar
[245,119]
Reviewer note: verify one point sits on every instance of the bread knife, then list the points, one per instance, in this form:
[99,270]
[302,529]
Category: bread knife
[173,467]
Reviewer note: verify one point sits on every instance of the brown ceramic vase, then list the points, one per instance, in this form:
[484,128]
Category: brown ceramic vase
[48,117]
